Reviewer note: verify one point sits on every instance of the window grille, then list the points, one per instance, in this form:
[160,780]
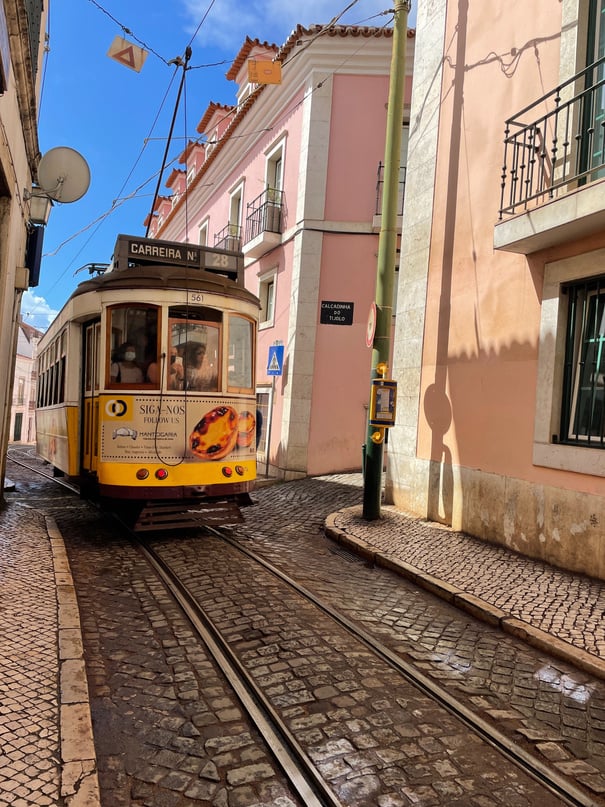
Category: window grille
[583,403]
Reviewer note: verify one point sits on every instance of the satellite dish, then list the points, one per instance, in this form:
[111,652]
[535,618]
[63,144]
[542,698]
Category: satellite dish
[63,174]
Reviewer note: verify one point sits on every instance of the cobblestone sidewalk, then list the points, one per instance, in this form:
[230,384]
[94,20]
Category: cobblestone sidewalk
[556,611]
[47,753]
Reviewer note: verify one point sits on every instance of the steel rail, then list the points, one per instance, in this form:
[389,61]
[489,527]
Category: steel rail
[530,764]
[293,760]
[281,742]
[58,480]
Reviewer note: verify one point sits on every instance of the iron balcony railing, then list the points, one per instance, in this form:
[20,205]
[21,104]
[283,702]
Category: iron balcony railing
[556,143]
[264,214]
[230,237]
[380,186]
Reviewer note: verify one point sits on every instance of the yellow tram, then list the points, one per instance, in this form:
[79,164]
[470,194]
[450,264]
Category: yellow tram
[146,378]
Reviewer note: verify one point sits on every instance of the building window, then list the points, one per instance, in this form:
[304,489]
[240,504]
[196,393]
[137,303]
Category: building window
[569,421]
[203,234]
[235,211]
[582,420]
[20,392]
[266,293]
[592,146]
[275,168]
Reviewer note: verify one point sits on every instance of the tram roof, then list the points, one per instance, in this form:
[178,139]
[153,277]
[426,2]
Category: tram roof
[166,277]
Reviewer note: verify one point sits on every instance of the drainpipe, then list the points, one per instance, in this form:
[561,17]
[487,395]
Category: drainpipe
[387,251]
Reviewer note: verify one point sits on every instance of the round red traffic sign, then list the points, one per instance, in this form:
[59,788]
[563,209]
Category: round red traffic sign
[371,325]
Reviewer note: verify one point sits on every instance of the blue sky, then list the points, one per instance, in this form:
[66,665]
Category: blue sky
[119,119]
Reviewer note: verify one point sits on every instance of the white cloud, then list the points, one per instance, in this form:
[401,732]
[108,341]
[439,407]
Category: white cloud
[36,311]
[230,21]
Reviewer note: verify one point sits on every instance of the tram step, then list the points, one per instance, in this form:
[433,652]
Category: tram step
[179,515]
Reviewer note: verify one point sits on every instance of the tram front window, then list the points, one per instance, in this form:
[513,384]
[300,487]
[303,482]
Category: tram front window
[133,344]
[194,353]
[241,346]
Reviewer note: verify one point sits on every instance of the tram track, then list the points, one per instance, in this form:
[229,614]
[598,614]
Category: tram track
[304,776]
[507,747]
[13,455]
[513,752]
[295,763]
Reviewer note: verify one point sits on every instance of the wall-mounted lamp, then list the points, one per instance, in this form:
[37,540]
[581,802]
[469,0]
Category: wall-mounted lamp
[40,205]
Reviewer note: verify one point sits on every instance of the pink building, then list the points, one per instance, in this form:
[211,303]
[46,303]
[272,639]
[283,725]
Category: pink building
[500,335]
[290,174]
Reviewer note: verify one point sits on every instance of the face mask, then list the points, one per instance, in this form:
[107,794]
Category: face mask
[130,355]
[172,358]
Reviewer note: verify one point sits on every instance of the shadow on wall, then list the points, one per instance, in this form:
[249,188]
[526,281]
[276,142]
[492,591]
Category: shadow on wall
[490,413]
[440,412]
[484,408]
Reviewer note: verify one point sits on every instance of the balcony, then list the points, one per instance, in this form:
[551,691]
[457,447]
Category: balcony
[377,220]
[230,237]
[264,221]
[553,174]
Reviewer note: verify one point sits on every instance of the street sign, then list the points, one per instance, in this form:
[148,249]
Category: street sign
[126,53]
[264,72]
[334,313]
[275,361]
[371,328]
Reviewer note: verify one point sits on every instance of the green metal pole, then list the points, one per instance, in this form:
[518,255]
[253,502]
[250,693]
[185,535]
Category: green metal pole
[387,251]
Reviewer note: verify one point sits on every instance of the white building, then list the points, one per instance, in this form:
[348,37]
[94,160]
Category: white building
[22,420]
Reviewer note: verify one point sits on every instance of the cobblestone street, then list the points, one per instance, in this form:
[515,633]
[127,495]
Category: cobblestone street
[168,730]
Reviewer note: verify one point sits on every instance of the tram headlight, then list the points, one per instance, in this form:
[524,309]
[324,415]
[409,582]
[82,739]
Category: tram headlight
[161,474]
[227,471]
[142,473]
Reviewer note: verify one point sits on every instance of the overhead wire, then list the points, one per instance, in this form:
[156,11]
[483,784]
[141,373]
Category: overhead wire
[182,64]
[118,201]
[127,31]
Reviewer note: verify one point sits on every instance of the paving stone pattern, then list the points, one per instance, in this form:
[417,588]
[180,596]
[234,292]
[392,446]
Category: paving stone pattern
[29,707]
[529,695]
[168,730]
[372,735]
[568,606]
[170,734]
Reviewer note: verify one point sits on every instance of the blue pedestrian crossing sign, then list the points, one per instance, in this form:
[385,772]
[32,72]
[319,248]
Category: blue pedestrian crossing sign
[275,362]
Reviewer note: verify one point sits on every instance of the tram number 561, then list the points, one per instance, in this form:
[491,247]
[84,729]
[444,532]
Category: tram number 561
[195,297]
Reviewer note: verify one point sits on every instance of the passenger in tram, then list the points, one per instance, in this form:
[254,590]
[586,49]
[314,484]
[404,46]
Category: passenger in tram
[175,371]
[199,374]
[124,369]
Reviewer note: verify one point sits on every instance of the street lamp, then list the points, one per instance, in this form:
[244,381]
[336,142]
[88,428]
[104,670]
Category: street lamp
[40,205]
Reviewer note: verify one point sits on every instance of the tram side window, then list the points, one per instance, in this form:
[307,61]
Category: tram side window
[241,352]
[195,343]
[133,344]
[51,378]
[40,384]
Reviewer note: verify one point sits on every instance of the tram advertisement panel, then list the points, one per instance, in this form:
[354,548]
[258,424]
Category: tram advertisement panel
[136,428]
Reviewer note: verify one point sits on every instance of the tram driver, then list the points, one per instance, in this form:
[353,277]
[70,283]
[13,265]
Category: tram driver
[200,374]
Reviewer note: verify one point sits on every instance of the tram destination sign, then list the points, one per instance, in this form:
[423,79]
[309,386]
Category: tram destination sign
[130,249]
[333,313]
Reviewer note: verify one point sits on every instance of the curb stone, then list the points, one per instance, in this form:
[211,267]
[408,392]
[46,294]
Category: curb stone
[79,779]
[469,603]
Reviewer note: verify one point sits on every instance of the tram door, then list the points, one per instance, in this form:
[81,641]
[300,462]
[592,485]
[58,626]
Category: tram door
[90,397]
